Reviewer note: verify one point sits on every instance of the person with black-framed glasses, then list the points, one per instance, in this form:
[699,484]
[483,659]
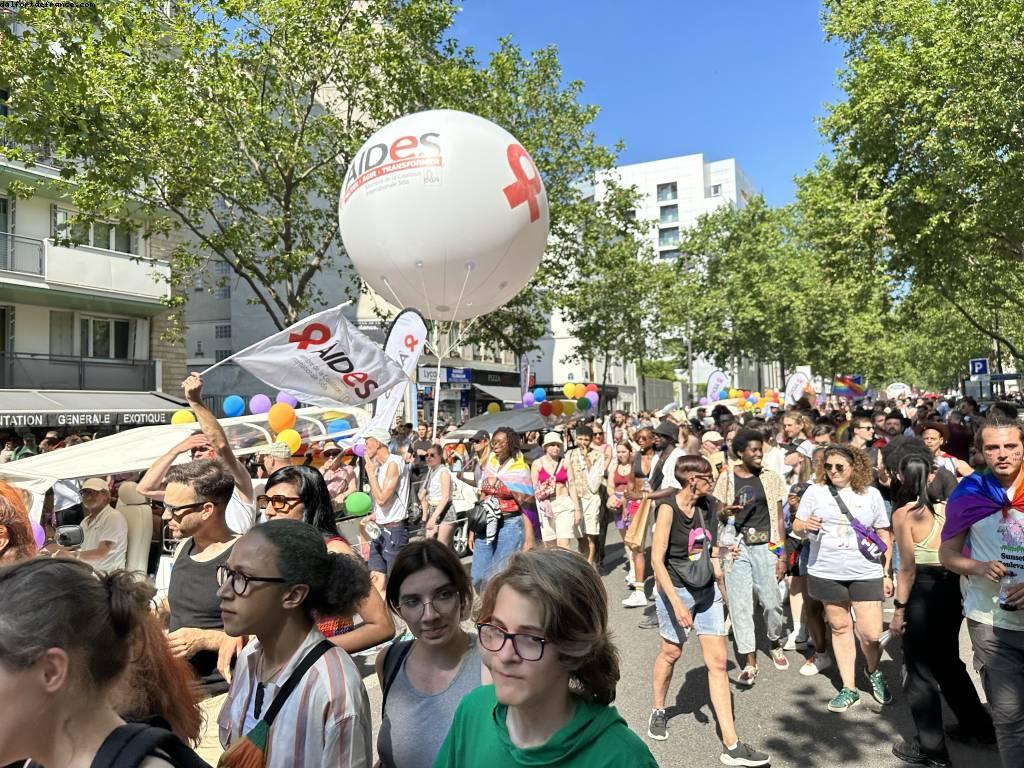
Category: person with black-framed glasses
[543,634]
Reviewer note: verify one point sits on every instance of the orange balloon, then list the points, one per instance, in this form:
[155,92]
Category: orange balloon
[557,407]
[579,391]
[281,416]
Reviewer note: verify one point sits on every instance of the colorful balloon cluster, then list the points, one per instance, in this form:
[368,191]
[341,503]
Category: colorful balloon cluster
[578,397]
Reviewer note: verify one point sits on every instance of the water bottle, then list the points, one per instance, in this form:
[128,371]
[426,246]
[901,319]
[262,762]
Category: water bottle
[1009,580]
[726,542]
[372,530]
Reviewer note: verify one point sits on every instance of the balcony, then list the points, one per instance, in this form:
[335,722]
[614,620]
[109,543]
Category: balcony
[85,268]
[27,371]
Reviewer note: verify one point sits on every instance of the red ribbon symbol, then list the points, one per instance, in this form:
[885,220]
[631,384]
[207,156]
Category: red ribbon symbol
[411,342]
[305,339]
[526,188]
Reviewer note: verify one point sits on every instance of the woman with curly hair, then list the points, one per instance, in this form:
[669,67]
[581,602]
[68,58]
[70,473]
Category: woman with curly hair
[543,634]
[844,519]
[17,541]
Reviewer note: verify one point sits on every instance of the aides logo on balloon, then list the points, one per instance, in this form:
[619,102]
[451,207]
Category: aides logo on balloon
[379,160]
[526,188]
[336,358]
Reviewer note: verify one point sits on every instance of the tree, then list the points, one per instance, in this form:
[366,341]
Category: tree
[236,121]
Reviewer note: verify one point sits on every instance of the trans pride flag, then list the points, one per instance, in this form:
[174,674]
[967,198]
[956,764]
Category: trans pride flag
[850,387]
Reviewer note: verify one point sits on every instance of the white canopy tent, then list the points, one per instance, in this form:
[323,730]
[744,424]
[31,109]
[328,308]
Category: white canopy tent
[135,450]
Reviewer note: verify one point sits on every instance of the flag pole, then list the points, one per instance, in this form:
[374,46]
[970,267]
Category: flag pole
[437,380]
[256,344]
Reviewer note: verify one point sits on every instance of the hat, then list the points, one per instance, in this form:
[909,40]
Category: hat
[712,436]
[277,450]
[552,437]
[379,434]
[807,448]
[330,445]
[799,489]
[668,430]
[52,435]
[95,484]
[708,421]
[480,434]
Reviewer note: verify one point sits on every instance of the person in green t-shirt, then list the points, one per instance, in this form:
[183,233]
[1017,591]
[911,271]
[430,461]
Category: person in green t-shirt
[543,634]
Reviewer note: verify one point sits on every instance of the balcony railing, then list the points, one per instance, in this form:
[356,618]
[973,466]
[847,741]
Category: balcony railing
[21,254]
[20,370]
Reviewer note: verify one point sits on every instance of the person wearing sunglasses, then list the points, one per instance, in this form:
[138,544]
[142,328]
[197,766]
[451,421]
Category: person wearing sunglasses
[839,573]
[424,679]
[543,633]
[277,579]
[435,498]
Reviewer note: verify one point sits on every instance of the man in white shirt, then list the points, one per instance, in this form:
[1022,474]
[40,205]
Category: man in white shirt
[104,529]
[388,476]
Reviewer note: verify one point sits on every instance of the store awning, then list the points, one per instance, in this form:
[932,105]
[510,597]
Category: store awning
[501,394]
[84,408]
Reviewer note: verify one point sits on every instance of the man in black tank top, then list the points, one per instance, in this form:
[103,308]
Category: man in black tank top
[194,503]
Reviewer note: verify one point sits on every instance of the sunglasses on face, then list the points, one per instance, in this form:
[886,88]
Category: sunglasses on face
[835,467]
[279,502]
[181,510]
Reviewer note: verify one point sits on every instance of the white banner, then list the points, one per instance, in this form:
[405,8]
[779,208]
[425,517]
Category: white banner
[897,389]
[524,374]
[797,385]
[323,360]
[405,341]
[717,381]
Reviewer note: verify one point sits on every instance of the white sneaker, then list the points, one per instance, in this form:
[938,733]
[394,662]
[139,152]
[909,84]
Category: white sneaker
[817,663]
[790,644]
[636,599]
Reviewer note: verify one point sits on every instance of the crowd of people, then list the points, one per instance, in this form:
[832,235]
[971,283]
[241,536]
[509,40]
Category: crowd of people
[797,523]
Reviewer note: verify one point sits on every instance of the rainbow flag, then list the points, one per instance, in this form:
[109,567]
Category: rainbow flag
[851,387]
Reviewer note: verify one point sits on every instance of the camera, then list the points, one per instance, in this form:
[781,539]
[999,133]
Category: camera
[69,535]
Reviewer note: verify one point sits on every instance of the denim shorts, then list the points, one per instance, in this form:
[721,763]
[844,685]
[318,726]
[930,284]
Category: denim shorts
[385,549]
[708,614]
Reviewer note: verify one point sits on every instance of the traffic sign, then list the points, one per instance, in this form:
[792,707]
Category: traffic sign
[978,366]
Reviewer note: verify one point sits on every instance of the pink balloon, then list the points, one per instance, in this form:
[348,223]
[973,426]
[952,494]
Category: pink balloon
[259,404]
[284,397]
[359,449]
[529,399]
[592,397]
[40,535]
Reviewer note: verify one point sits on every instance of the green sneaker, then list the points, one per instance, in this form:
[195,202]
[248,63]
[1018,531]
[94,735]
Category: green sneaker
[844,700]
[880,688]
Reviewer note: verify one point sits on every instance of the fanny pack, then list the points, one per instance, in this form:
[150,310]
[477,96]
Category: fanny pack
[250,750]
[696,572]
[868,541]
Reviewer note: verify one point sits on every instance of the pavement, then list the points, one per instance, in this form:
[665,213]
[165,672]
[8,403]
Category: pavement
[783,713]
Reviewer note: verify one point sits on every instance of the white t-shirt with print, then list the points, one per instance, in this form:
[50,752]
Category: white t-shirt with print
[834,551]
[995,538]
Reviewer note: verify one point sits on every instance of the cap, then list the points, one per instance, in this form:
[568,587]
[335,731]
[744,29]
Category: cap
[481,434]
[679,415]
[95,484]
[52,435]
[378,434]
[552,437]
[799,489]
[712,436]
[330,445]
[668,430]
[277,450]
[807,448]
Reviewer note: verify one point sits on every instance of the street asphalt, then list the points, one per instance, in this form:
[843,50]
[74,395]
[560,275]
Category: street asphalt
[783,714]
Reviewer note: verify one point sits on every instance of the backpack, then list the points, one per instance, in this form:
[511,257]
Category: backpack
[128,745]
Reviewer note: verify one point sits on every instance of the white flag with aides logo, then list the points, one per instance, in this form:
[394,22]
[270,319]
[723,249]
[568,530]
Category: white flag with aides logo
[406,337]
[323,360]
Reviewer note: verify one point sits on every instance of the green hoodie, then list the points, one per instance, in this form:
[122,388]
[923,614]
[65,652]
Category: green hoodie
[596,737]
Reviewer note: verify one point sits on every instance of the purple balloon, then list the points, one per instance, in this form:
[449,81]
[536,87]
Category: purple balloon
[703,401]
[359,449]
[284,397]
[592,397]
[259,404]
[39,533]
[529,399]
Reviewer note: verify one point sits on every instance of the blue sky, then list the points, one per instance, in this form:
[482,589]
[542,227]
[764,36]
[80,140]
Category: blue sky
[674,77]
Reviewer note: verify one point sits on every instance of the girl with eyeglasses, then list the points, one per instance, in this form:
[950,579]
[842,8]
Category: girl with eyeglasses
[435,498]
[279,577]
[839,572]
[543,634]
[424,679]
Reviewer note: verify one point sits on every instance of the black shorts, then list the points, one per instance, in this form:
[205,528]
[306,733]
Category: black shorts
[831,591]
[793,565]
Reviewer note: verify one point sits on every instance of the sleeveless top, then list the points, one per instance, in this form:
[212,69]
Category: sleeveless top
[415,724]
[433,483]
[926,552]
[192,598]
[947,462]
[330,626]
[561,474]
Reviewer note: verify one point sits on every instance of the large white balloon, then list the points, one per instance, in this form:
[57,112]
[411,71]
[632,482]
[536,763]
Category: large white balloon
[445,212]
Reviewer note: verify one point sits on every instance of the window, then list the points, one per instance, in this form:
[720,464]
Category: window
[222,332]
[4,96]
[124,240]
[100,234]
[222,268]
[669,214]
[221,354]
[199,285]
[222,292]
[716,190]
[62,333]
[668,238]
[666,255]
[667,191]
[107,338]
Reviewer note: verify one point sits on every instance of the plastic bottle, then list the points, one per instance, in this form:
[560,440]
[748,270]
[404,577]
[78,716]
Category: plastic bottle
[726,542]
[1009,580]
[372,530]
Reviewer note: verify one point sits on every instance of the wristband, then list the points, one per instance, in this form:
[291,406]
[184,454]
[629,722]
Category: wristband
[899,605]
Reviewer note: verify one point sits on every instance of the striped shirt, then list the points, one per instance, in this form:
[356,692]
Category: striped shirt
[326,720]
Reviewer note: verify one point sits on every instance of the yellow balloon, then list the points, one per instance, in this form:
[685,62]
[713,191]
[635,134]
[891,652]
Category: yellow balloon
[569,407]
[568,389]
[291,438]
[183,417]
[493,408]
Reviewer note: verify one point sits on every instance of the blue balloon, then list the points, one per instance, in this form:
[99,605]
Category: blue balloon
[338,425]
[233,405]
[539,395]
[723,395]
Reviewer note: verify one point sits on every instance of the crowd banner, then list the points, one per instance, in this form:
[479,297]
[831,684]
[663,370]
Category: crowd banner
[718,382]
[798,385]
[323,360]
[897,389]
[406,337]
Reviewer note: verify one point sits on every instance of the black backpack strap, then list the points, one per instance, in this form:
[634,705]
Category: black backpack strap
[391,667]
[297,674]
[128,745]
[842,505]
